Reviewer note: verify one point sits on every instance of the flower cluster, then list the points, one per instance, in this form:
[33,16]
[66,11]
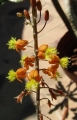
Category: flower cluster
[44,52]
[51,55]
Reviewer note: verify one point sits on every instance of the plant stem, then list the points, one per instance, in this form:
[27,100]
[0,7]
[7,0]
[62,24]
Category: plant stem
[43,27]
[43,99]
[46,116]
[34,16]
[39,18]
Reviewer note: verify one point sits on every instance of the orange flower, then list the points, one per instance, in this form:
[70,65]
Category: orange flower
[54,60]
[28,61]
[20,44]
[52,71]
[53,67]
[20,74]
[34,75]
[46,71]
[42,49]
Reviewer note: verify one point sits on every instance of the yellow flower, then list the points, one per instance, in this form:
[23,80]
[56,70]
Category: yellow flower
[31,85]
[64,62]
[45,52]
[11,43]
[11,75]
[49,52]
[22,59]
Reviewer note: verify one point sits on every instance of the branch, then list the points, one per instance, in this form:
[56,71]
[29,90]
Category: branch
[46,116]
[43,27]
[39,18]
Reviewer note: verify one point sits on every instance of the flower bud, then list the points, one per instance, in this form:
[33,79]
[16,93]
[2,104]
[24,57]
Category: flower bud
[43,47]
[46,15]
[39,5]
[26,14]
[19,14]
[41,55]
[33,3]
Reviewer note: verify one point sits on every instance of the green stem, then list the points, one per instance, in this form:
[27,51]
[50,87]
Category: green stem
[34,16]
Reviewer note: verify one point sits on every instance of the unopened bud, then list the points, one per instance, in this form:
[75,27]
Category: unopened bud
[19,14]
[46,15]
[39,5]
[26,14]
[33,3]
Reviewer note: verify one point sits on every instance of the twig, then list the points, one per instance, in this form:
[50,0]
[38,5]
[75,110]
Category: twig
[46,116]
[43,27]
[39,18]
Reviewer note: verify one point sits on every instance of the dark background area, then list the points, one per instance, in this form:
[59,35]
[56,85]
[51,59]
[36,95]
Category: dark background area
[11,26]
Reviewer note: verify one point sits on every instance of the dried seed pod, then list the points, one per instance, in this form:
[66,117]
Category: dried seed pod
[41,117]
[33,3]
[46,15]
[39,5]
[26,14]
[19,14]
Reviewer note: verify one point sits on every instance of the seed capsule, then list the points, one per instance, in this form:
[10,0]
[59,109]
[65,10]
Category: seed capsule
[39,5]
[33,3]
[26,14]
[46,15]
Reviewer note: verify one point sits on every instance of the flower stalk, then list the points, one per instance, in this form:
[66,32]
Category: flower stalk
[34,16]
[35,82]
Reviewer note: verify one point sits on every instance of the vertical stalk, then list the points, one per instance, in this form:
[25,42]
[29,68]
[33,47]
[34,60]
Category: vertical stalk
[34,17]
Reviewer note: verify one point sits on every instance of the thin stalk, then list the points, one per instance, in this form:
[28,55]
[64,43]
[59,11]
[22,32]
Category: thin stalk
[46,116]
[44,98]
[39,18]
[34,16]
[43,27]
